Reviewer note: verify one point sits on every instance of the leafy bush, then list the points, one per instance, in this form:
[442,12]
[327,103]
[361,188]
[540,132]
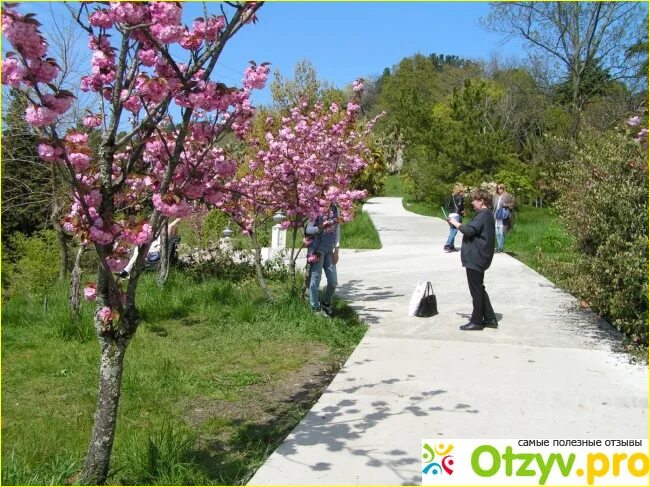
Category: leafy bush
[234,265]
[604,203]
[36,264]
[373,177]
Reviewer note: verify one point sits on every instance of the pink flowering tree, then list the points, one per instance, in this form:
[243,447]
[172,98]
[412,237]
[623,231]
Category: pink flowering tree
[306,162]
[159,116]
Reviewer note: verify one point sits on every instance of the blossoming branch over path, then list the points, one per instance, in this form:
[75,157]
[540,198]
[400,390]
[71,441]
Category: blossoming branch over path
[548,371]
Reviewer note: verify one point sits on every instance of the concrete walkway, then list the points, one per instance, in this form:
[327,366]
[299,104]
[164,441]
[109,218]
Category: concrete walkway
[548,371]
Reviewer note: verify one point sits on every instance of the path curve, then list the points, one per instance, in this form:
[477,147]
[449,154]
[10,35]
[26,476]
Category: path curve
[548,371]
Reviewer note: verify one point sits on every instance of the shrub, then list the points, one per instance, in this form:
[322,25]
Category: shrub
[36,265]
[234,265]
[604,203]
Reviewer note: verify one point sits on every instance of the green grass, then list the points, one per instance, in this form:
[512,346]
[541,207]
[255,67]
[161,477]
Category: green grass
[394,186]
[207,387]
[539,237]
[421,208]
[360,233]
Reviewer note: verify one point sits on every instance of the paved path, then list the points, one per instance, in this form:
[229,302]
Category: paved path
[547,372]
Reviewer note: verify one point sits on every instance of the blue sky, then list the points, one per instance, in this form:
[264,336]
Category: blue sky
[344,40]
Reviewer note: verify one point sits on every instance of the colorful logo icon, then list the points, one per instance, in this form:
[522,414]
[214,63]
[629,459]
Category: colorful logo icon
[437,460]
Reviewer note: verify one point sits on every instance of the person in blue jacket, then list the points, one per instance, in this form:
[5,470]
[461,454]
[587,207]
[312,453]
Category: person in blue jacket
[323,253]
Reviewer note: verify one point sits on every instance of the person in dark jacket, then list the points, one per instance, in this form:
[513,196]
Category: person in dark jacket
[476,255]
[455,204]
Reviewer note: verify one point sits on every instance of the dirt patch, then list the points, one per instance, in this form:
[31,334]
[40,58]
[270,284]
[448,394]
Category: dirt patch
[234,437]
[264,402]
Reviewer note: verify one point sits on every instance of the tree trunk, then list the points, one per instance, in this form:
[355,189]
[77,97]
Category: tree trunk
[75,283]
[111,366]
[63,249]
[292,260]
[163,268]
[258,266]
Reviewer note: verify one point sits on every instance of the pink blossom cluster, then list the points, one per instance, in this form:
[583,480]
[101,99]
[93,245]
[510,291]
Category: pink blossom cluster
[203,30]
[14,73]
[202,173]
[138,234]
[22,33]
[102,64]
[105,314]
[90,291]
[306,162]
[255,76]
[92,121]
[32,67]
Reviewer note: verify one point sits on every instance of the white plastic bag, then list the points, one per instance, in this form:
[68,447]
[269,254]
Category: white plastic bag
[416,297]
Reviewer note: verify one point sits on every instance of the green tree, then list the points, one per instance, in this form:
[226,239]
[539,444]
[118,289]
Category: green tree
[26,187]
[467,141]
[573,42]
[287,92]
[408,96]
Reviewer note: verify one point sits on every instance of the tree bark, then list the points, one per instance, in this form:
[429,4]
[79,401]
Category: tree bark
[163,268]
[292,264]
[75,283]
[63,249]
[111,366]
[258,266]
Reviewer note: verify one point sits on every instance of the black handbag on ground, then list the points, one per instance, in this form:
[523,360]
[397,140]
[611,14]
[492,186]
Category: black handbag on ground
[428,305]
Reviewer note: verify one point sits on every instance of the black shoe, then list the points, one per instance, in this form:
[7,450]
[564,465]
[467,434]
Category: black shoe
[327,309]
[490,324]
[498,251]
[453,249]
[471,327]
[448,248]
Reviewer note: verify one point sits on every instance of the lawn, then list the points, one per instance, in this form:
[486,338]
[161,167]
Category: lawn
[214,380]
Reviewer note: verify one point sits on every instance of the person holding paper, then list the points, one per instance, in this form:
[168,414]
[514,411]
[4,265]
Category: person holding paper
[476,256]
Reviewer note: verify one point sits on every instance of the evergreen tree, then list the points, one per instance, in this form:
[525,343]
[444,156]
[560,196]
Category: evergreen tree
[26,187]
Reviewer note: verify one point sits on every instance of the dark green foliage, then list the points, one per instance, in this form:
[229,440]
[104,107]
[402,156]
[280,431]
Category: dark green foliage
[468,141]
[26,185]
[604,202]
[593,81]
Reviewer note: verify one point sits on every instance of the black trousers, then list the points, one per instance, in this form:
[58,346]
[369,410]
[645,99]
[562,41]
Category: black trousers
[480,300]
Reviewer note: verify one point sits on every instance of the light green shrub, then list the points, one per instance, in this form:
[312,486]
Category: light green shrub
[604,203]
[36,265]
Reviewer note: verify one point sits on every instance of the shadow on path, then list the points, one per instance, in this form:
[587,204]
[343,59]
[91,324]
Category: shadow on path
[338,426]
[354,291]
